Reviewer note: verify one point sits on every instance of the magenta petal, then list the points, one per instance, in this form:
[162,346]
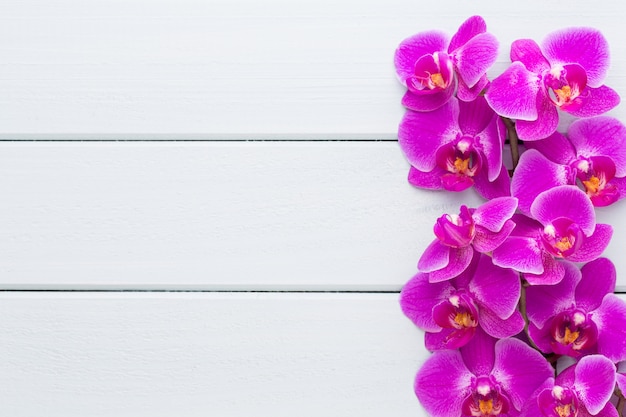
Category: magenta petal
[475,57]
[418,297]
[611,321]
[496,288]
[556,147]
[514,93]
[500,187]
[520,253]
[535,174]
[475,116]
[416,46]
[442,383]
[485,241]
[421,134]
[552,272]
[436,256]
[428,180]
[519,369]
[584,46]
[546,123]
[466,93]
[498,327]
[460,258]
[493,214]
[473,26]
[528,53]
[595,102]
[448,338]
[602,135]
[428,101]
[479,353]
[546,301]
[598,279]
[594,245]
[565,201]
[594,381]
[541,337]
[491,140]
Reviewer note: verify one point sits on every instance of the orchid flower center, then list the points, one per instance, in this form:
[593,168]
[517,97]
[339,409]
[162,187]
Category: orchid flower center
[461,162]
[573,331]
[486,400]
[562,237]
[558,402]
[565,84]
[432,72]
[459,315]
[456,230]
[594,176]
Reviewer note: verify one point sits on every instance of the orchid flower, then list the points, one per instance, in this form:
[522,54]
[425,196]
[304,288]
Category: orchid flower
[581,390]
[428,64]
[484,378]
[455,147]
[459,236]
[565,72]
[592,156]
[451,311]
[565,228]
[580,315]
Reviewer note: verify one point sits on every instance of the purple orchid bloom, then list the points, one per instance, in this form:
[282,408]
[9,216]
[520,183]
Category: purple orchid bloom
[565,228]
[581,390]
[484,378]
[592,156]
[566,72]
[480,229]
[451,311]
[428,64]
[580,315]
[456,146]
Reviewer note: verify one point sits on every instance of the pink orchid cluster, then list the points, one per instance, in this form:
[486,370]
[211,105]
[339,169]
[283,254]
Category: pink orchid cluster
[517,304]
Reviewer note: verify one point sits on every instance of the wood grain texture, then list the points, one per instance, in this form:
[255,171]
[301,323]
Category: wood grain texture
[189,69]
[227,216]
[200,354]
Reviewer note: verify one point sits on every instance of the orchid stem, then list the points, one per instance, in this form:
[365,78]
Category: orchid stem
[620,402]
[522,309]
[513,141]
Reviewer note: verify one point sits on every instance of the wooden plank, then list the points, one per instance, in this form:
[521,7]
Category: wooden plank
[199,354]
[287,216]
[187,69]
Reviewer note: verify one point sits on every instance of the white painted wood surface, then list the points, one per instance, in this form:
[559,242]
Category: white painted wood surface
[214,215]
[239,69]
[206,354]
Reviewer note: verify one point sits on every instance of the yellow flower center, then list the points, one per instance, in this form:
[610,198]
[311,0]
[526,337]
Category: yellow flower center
[570,337]
[592,185]
[437,80]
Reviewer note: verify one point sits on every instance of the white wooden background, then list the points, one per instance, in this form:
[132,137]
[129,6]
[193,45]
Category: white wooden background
[204,211]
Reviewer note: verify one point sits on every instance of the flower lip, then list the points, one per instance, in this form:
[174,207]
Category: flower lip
[565,84]
[558,402]
[433,72]
[573,333]
[485,399]
[594,176]
[456,230]
[562,237]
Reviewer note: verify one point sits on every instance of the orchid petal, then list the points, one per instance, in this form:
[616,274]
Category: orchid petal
[496,288]
[475,116]
[460,259]
[493,214]
[498,327]
[428,101]
[520,253]
[546,301]
[610,318]
[485,241]
[435,256]
[546,123]
[513,94]
[594,382]
[553,272]
[595,101]
[448,338]
[479,353]
[418,297]
[473,26]
[421,134]
[475,57]
[466,93]
[541,337]
[490,141]
[593,245]
[416,46]
[586,47]
[600,136]
[528,53]
[535,174]
[519,369]
[526,226]
[500,187]
[428,180]
[565,201]
[442,383]
[556,147]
